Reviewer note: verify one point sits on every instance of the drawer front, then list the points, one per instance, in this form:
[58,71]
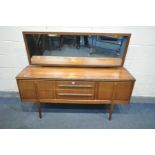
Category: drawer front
[74,94]
[75,85]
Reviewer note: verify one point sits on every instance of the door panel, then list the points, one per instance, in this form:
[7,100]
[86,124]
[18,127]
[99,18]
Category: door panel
[46,94]
[28,94]
[27,89]
[26,84]
[123,90]
[45,89]
[45,85]
[105,90]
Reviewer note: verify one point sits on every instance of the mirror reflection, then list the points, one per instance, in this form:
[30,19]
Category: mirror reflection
[76,45]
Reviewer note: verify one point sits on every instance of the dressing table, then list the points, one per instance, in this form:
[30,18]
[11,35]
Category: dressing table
[63,73]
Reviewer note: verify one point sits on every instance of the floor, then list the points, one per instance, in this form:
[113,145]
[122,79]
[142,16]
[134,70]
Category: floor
[16,115]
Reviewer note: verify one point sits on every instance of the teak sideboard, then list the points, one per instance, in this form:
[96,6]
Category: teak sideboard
[75,85]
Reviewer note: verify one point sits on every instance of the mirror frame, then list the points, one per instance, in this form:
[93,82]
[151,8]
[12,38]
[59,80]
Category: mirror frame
[77,61]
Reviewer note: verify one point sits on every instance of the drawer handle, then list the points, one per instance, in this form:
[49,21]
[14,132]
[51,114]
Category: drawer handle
[77,86]
[68,94]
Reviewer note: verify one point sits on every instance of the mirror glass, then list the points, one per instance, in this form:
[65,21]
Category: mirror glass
[83,46]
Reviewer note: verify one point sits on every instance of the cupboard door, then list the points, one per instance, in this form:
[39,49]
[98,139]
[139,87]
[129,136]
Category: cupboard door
[105,90]
[45,94]
[45,85]
[123,90]
[27,89]
[45,89]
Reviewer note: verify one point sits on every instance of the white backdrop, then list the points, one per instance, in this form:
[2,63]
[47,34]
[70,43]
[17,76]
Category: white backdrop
[140,59]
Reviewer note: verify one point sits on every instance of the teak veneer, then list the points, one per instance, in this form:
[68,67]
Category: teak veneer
[75,85]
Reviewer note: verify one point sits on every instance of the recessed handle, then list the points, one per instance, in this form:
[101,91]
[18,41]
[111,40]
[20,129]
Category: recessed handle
[76,86]
[70,94]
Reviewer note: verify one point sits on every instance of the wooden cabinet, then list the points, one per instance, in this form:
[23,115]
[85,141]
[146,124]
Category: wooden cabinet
[74,90]
[57,85]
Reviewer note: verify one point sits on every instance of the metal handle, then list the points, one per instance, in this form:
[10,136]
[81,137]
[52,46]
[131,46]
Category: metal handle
[77,86]
[73,82]
[68,94]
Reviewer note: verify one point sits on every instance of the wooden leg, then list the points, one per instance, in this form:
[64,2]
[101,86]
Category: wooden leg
[129,105]
[39,110]
[110,111]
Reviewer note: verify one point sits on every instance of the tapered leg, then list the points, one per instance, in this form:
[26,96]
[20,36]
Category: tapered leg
[129,105]
[110,111]
[39,110]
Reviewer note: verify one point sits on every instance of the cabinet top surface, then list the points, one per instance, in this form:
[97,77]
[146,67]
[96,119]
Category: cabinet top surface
[68,73]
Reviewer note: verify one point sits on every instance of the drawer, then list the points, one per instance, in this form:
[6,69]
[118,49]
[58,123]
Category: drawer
[75,85]
[74,94]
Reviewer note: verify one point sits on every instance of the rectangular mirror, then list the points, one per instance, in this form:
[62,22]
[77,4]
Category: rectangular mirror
[76,49]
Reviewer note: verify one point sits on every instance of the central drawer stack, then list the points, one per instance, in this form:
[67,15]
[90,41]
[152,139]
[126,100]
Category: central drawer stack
[75,90]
